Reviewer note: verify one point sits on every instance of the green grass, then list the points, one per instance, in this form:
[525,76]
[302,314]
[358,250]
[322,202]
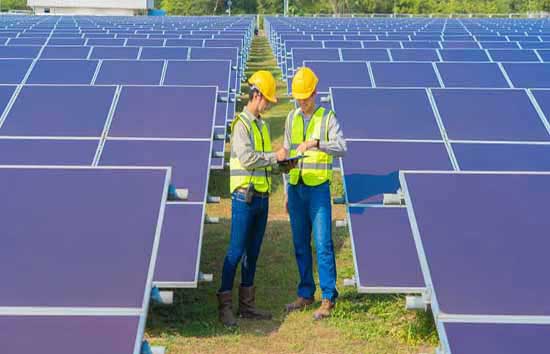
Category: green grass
[376,324]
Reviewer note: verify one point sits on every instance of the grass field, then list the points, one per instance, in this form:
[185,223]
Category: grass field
[376,324]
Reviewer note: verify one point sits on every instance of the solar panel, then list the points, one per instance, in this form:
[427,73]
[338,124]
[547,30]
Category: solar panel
[535,45]
[499,45]
[66,41]
[544,54]
[114,53]
[185,43]
[463,55]
[73,111]
[414,55]
[459,45]
[164,53]
[189,160]
[67,52]
[105,42]
[63,72]
[502,157]
[380,236]
[473,75]
[27,41]
[199,72]
[369,175]
[381,44]
[387,113]
[494,115]
[19,52]
[528,75]
[187,112]
[365,55]
[216,53]
[127,72]
[543,99]
[513,55]
[144,42]
[72,283]
[179,251]
[12,71]
[333,74]
[404,75]
[47,152]
[471,252]
[493,338]
[342,44]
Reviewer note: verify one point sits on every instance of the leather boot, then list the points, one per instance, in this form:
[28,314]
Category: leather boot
[225,309]
[298,304]
[324,311]
[247,305]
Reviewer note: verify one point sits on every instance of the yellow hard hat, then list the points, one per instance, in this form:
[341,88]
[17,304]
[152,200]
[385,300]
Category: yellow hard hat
[264,81]
[304,83]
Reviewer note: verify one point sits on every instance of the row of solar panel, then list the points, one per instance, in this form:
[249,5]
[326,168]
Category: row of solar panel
[124,41]
[423,75]
[408,37]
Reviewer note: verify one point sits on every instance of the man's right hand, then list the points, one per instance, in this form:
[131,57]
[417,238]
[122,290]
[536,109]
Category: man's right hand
[281,154]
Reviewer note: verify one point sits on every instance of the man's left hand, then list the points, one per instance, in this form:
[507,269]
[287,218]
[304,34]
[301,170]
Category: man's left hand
[306,145]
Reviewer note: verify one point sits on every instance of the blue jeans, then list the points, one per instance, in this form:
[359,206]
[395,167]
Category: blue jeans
[248,222]
[310,210]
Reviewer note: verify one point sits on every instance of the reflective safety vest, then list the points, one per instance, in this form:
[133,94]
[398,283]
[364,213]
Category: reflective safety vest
[316,168]
[260,177]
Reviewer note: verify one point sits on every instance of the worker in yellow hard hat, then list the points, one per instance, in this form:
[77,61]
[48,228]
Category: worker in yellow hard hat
[315,132]
[251,165]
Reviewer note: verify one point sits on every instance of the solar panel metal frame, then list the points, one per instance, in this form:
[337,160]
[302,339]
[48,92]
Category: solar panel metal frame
[142,313]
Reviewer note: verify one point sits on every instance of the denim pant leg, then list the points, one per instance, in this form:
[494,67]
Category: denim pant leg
[254,244]
[241,224]
[321,215]
[301,235]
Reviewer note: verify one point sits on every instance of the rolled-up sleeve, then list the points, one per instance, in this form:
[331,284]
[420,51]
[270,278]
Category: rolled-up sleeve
[336,144]
[241,147]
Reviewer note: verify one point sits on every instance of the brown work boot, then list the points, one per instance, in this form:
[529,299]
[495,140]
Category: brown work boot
[225,309]
[323,311]
[298,304]
[247,305]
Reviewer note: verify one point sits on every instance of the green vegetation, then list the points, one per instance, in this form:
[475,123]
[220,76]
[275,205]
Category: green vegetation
[300,7]
[13,5]
[366,324]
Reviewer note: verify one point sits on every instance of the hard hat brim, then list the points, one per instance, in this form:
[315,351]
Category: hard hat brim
[302,96]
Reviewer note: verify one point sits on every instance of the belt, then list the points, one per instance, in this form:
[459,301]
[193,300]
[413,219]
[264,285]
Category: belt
[256,193]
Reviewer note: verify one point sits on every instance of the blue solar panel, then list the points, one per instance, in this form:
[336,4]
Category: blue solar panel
[421,44]
[334,74]
[67,52]
[135,116]
[464,55]
[78,111]
[544,54]
[19,52]
[381,44]
[27,41]
[106,42]
[404,75]
[528,75]
[12,71]
[143,42]
[216,53]
[63,72]
[428,55]
[499,115]
[6,92]
[126,72]
[47,152]
[499,45]
[342,44]
[543,99]
[114,53]
[513,55]
[389,113]
[486,75]
[301,54]
[365,55]
[459,45]
[185,43]
[535,45]
[66,41]
[199,72]
[164,53]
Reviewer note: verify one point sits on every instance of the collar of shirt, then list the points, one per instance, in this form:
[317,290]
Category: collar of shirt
[251,116]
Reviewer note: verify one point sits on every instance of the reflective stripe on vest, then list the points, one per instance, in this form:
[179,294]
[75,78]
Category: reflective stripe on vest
[317,167]
[241,177]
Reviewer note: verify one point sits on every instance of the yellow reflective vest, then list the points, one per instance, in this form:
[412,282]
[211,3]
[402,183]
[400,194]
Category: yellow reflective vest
[260,177]
[316,168]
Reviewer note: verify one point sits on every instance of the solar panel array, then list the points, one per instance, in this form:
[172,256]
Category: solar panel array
[432,95]
[115,91]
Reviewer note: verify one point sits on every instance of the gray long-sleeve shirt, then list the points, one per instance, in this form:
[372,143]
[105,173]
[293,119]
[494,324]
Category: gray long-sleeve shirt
[241,145]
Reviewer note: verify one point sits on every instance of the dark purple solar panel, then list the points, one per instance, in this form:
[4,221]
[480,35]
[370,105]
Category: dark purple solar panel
[69,334]
[187,112]
[188,159]
[497,338]
[485,75]
[164,53]
[59,111]
[179,245]
[371,174]
[299,55]
[502,157]
[199,72]
[486,255]
[427,55]
[75,233]
[334,74]
[404,75]
[386,113]
[489,115]
[63,72]
[365,55]
[384,248]
[12,71]
[130,72]
[216,53]
[47,152]
[67,52]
